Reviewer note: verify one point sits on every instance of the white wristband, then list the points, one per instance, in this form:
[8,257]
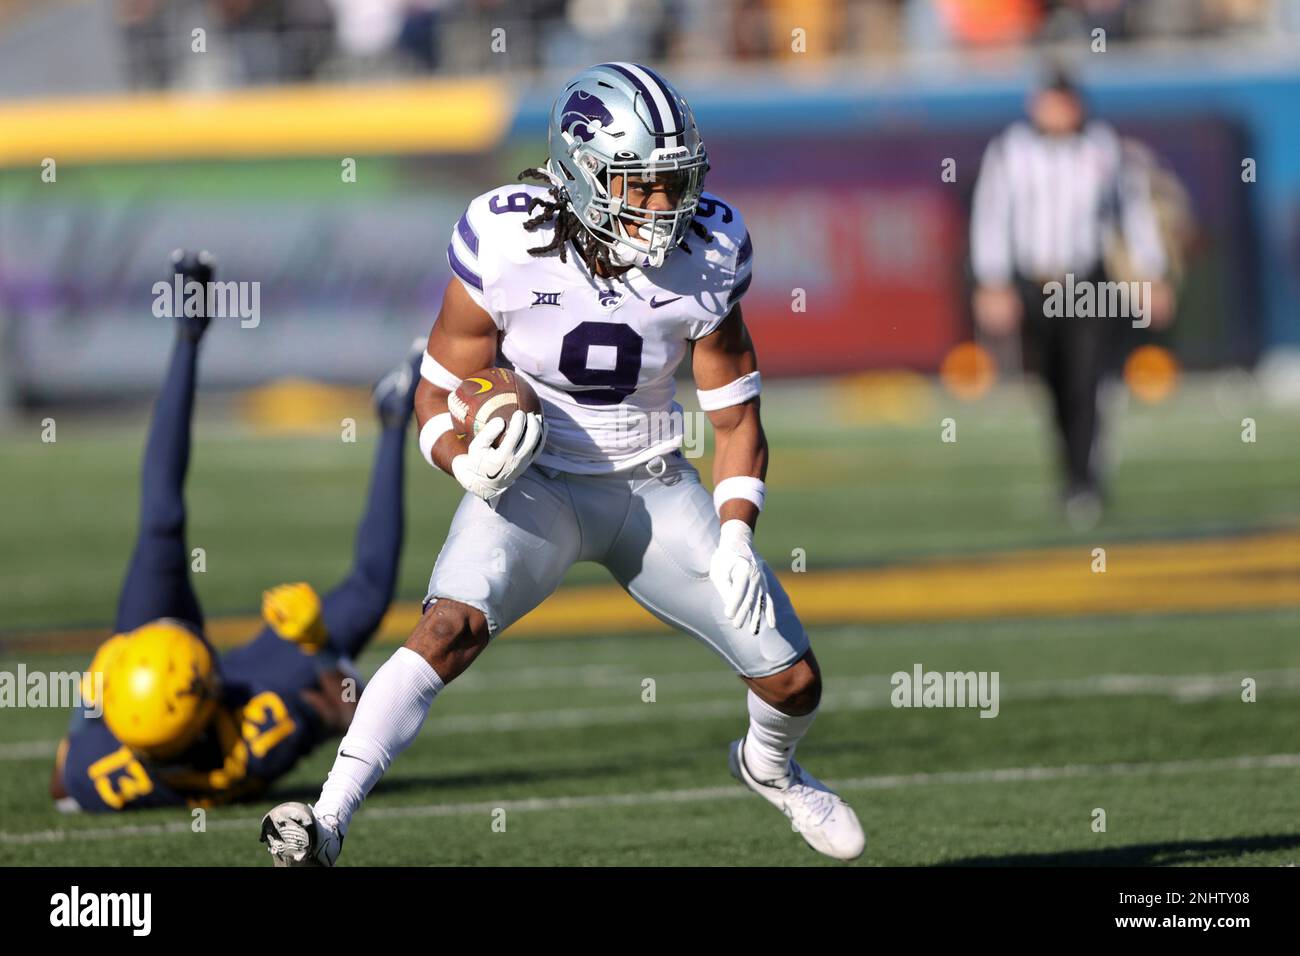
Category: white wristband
[433,429]
[739,486]
[733,393]
[435,373]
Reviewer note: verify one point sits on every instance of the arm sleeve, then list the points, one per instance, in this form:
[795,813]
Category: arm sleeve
[990,226]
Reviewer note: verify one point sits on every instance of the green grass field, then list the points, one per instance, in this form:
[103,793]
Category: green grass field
[1137,714]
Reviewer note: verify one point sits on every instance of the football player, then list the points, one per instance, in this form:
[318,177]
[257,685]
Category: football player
[181,724]
[593,286]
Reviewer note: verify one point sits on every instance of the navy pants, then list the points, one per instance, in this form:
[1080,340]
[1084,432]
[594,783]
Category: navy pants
[158,583]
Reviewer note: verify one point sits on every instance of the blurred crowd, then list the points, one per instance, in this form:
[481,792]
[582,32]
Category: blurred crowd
[270,41]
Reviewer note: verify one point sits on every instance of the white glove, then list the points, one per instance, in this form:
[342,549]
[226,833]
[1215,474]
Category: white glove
[486,471]
[737,572]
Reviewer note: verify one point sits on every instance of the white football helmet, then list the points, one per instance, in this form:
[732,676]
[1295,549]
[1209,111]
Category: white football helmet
[624,120]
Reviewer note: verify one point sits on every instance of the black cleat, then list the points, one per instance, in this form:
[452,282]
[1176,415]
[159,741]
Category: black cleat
[194,267]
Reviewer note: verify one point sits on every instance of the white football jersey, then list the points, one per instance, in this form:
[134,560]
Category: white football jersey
[601,353]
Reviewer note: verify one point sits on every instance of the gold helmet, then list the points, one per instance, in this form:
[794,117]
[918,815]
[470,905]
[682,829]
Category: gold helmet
[161,687]
[91,687]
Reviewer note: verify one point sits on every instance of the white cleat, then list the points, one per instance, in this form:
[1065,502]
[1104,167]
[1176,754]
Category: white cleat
[297,837]
[815,810]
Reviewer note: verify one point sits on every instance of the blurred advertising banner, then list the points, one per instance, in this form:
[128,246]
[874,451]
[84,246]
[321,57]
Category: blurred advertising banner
[871,231]
[344,274]
[857,252]
[860,277]
[848,277]
[860,247]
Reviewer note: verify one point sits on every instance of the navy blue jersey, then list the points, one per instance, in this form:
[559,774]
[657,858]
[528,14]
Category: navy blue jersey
[262,728]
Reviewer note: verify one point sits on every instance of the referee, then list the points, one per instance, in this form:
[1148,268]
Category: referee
[1049,193]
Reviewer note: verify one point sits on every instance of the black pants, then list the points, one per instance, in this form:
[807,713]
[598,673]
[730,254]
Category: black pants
[158,581]
[1071,354]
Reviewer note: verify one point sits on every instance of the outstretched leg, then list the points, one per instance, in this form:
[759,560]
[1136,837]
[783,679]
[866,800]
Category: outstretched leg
[388,718]
[396,702]
[157,581]
[499,562]
[661,557]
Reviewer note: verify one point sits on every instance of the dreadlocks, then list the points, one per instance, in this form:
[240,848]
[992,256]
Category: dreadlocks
[567,225]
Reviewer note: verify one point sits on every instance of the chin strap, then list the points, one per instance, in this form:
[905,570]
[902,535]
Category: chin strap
[620,256]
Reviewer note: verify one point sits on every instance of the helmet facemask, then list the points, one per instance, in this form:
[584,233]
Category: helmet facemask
[617,124]
[632,234]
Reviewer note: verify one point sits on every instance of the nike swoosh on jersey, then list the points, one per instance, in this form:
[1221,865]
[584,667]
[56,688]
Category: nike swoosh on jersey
[656,305]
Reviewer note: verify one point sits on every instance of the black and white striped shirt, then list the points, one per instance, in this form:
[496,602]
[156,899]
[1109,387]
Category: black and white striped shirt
[1044,204]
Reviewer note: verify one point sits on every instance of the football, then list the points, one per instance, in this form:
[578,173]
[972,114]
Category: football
[488,394]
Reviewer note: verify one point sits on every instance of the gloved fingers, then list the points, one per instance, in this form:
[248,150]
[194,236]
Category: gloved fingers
[733,593]
[532,436]
[510,443]
[482,442]
[748,600]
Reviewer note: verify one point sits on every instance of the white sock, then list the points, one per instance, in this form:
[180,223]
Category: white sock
[769,745]
[388,718]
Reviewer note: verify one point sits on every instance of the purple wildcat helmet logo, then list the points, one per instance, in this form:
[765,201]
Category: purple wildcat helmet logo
[581,109]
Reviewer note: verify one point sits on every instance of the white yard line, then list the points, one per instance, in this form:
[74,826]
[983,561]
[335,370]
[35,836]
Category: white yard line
[605,800]
[28,750]
[1183,687]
